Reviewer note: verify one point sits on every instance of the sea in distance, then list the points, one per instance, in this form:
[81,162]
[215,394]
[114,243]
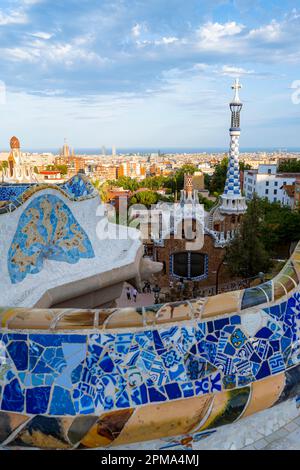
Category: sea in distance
[168,150]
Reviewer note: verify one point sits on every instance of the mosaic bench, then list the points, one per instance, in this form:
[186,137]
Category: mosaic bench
[98,378]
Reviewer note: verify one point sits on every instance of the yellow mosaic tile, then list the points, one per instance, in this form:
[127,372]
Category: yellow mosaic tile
[157,421]
[264,394]
[221,304]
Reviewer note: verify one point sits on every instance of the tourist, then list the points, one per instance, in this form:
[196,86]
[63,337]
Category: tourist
[156,291]
[134,294]
[128,293]
[147,287]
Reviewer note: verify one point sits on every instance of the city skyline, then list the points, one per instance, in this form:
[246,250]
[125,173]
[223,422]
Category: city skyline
[148,74]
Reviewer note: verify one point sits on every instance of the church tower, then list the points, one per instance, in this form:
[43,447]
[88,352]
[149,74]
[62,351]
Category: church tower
[232,201]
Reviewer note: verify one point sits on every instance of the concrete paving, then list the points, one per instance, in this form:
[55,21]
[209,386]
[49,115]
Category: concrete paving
[143,300]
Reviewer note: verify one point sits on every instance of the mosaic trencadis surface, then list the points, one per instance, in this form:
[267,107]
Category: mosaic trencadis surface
[47,229]
[13,196]
[74,379]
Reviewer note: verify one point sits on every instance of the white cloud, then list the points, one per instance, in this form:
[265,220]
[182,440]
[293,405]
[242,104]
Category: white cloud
[42,35]
[18,54]
[213,32]
[232,71]
[268,33]
[166,40]
[47,53]
[13,17]
[136,30]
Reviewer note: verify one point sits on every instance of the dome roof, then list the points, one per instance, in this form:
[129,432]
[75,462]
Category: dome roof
[14,143]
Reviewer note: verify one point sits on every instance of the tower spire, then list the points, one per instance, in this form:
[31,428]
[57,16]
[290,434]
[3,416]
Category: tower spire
[232,200]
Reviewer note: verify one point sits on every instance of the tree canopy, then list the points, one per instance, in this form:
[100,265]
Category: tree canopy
[147,198]
[267,230]
[246,256]
[289,166]
[63,169]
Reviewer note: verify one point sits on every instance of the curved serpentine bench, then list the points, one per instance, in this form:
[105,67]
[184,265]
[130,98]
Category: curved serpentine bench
[96,378]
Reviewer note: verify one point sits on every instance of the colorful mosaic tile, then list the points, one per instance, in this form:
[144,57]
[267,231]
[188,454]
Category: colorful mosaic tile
[14,195]
[75,374]
[46,230]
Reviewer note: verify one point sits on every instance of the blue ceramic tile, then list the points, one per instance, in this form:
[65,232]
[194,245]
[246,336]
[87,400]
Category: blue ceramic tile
[173,391]
[37,400]
[13,397]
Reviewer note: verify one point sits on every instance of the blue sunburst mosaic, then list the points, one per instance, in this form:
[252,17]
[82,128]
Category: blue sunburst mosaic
[77,374]
[47,229]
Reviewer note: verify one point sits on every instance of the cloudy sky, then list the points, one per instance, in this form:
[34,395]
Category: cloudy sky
[148,73]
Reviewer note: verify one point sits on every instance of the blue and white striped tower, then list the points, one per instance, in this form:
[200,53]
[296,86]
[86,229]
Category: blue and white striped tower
[232,201]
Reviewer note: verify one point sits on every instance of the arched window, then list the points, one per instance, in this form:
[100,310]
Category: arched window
[189,265]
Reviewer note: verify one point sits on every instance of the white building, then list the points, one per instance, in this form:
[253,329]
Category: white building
[267,183]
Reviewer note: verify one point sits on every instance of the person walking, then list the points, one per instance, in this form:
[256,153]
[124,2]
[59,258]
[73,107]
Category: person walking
[128,293]
[134,294]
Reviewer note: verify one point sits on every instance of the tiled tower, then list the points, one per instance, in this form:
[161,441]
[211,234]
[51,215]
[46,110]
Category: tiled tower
[232,201]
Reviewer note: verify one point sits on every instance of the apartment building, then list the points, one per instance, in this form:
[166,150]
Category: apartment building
[266,182]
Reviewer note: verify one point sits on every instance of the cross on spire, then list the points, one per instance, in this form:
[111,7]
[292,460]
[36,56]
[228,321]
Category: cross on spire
[236,87]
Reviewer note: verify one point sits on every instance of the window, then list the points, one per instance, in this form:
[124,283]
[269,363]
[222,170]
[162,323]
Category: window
[275,199]
[189,265]
[269,172]
[275,191]
[267,183]
[276,183]
[266,191]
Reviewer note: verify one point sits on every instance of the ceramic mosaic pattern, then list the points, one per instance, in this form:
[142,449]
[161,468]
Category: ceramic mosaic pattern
[9,192]
[74,374]
[232,185]
[47,230]
[77,188]
[113,385]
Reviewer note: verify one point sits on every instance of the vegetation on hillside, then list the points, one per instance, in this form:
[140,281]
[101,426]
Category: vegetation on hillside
[267,230]
[289,166]
[247,255]
[63,169]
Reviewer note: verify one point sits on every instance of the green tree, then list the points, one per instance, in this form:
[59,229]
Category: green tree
[207,179]
[103,189]
[246,255]
[280,227]
[208,204]
[63,169]
[217,181]
[147,198]
[289,166]
[127,183]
